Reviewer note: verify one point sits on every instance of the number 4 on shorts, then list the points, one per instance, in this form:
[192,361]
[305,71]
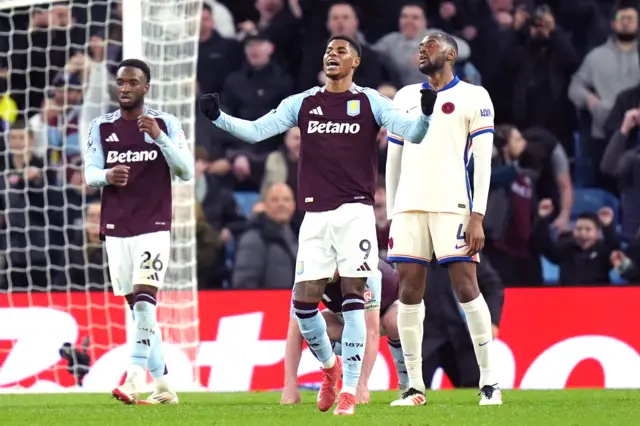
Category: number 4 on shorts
[461,235]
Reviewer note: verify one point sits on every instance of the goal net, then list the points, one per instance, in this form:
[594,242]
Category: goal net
[60,326]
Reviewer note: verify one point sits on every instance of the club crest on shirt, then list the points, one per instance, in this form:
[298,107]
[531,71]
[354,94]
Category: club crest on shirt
[300,268]
[448,108]
[353,108]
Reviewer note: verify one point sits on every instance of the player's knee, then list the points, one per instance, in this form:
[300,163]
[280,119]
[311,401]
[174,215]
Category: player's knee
[464,281]
[304,310]
[390,325]
[353,285]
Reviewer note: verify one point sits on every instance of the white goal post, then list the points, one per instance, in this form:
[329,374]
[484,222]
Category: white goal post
[61,325]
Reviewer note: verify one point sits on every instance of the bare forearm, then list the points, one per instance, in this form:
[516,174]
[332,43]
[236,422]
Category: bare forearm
[292,353]
[370,355]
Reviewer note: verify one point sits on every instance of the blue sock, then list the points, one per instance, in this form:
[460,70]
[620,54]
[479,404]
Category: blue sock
[146,328]
[398,360]
[354,336]
[337,348]
[156,365]
[314,330]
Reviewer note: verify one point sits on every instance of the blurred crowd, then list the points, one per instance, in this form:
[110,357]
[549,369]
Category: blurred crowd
[564,76]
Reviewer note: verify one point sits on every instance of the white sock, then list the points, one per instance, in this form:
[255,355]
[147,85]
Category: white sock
[410,329]
[479,323]
[330,362]
[162,383]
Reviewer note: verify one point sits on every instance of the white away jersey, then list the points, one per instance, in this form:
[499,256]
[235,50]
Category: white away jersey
[433,174]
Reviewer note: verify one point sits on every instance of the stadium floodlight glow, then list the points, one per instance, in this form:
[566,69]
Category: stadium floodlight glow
[163,33]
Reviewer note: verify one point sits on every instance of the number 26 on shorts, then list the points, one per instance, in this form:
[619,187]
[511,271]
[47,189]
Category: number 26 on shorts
[147,263]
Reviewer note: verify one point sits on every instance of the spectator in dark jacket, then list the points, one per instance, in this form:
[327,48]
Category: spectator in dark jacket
[217,56]
[266,253]
[249,94]
[31,201]
[621,158]
[86,264]
[447,343]
[583,256]
[542,62]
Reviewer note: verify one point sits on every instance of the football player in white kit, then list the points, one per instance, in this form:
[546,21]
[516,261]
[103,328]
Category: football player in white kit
[436,209]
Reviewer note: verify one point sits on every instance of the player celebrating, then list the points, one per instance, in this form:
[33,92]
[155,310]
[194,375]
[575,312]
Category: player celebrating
[381,313]
[444,216]
[337,174]
[132,153]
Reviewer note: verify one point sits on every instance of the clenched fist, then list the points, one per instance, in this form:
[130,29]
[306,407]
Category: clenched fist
[210,106]
[428,100]
[118,175]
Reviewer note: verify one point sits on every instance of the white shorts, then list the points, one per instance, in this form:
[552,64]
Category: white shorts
[344,238]
[416,236]
[142,259]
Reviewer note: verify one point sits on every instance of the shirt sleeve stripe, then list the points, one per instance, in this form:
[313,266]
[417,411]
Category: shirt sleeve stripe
[481,130]
[395,139]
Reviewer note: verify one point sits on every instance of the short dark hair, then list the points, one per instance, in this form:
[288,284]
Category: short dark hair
[415,4]
[21,124]
[590,216]
[352,42]
[207,6]
[139,64]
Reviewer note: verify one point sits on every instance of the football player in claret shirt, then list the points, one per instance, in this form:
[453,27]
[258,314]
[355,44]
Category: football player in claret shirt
[434,208]
[336,183]
[132,154]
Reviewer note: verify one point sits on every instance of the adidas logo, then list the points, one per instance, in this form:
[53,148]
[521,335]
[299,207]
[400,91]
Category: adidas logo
[355,358]
[316,111]
[113,138]
[363,267]
[146,342]
[153,277]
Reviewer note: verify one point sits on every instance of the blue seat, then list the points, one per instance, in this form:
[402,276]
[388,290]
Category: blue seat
[591,199]
[550,271]
[246,200]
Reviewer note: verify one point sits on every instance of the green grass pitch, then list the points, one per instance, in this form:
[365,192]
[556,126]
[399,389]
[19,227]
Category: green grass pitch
[521,408]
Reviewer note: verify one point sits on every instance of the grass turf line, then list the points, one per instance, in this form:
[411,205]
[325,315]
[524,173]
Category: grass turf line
[446,408]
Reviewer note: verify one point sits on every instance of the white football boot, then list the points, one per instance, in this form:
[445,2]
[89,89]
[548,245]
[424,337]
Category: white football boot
[410,398]
[128,392]
[490,395]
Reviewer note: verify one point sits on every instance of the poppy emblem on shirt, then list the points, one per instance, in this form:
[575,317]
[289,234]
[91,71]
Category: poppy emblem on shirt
[448,108]
[390,243]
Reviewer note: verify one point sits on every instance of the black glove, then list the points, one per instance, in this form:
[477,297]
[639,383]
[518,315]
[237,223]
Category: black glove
[210,106]
[427,101]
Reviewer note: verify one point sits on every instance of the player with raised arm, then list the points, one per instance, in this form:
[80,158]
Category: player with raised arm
[434,209]
[132,153]
[336,183]
[381,313]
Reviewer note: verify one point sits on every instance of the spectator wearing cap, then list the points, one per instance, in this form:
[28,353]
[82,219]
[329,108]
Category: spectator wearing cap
[64,116]
[250,93]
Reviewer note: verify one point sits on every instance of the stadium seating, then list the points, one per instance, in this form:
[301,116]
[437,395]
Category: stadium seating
[550,271]
[246,200]
[591,199]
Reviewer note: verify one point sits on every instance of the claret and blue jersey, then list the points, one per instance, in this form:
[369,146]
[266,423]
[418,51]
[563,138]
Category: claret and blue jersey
[338,150]
[144,204]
